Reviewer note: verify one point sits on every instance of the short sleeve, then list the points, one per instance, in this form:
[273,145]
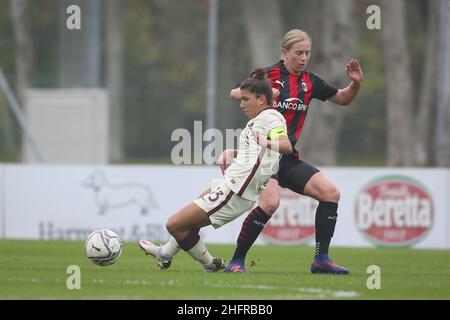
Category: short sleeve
[275,123]
[275,126]
[321,89]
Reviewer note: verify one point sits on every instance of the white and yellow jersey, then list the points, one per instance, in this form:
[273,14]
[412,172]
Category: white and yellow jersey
[250,171]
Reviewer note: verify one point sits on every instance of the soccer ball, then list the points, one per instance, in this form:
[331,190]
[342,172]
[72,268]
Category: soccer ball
[103,247]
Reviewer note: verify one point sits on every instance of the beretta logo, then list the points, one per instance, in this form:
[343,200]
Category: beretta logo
[293,223]
[394,211]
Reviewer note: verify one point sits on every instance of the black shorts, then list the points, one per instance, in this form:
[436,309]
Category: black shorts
[294,173]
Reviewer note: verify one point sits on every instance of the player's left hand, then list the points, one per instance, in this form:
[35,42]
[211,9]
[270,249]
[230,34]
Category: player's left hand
[260,139]
[354,71]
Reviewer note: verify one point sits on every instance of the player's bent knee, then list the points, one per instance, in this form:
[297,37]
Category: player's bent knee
[330,194]
[172,226]
[326,193]
[337,195]
[270,205]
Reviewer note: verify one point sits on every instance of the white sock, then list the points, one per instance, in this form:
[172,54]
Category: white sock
[170,249]
[201,254]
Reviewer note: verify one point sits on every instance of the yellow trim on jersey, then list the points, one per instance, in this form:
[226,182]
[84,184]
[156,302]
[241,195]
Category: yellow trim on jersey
[276,132]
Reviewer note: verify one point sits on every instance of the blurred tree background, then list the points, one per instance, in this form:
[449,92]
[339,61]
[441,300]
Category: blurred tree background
[153,58]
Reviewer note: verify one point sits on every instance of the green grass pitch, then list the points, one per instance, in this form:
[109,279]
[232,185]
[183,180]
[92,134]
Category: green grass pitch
[38,270]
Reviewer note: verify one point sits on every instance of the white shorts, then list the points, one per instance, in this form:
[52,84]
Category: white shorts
[222,205]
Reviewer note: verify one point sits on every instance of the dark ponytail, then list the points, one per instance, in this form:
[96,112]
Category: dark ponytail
[259,84]
[259,74]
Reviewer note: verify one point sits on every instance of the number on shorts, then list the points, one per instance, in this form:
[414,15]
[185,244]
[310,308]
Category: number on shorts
[217,194]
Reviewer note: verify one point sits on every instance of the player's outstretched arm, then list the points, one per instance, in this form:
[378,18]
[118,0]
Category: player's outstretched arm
[346,95]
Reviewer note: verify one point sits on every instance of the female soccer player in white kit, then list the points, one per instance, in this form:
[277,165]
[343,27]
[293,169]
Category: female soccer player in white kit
[261,144]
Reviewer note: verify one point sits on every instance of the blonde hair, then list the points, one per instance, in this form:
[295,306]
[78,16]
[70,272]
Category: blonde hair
[295,35]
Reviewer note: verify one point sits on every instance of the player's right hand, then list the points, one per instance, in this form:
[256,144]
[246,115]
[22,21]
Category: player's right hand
[260,139]
[275,93]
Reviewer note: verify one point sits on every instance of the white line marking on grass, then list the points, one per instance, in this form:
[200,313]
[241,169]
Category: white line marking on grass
[289,293]
[317,292]
[21,279]
[140,282]
[335,294]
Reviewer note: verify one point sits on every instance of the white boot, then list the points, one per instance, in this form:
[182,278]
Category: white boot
[155,251]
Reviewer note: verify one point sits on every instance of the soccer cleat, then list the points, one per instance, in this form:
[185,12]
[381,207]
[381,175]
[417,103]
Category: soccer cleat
[155,251]
[323,264]
[236,265]
[216,265]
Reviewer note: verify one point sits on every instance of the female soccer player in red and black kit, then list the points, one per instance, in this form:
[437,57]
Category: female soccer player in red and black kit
[296,88]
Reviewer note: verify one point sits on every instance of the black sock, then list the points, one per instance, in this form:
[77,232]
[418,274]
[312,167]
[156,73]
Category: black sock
[251,228]
[326,217]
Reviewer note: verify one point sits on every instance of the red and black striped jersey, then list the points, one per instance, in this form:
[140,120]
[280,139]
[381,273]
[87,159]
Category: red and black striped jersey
[296,93]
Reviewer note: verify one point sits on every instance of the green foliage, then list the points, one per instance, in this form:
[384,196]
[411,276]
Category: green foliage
[366,116]
[7,52]
[44,25]
[165,58]
[8,134]
[165,62]
[8,138]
